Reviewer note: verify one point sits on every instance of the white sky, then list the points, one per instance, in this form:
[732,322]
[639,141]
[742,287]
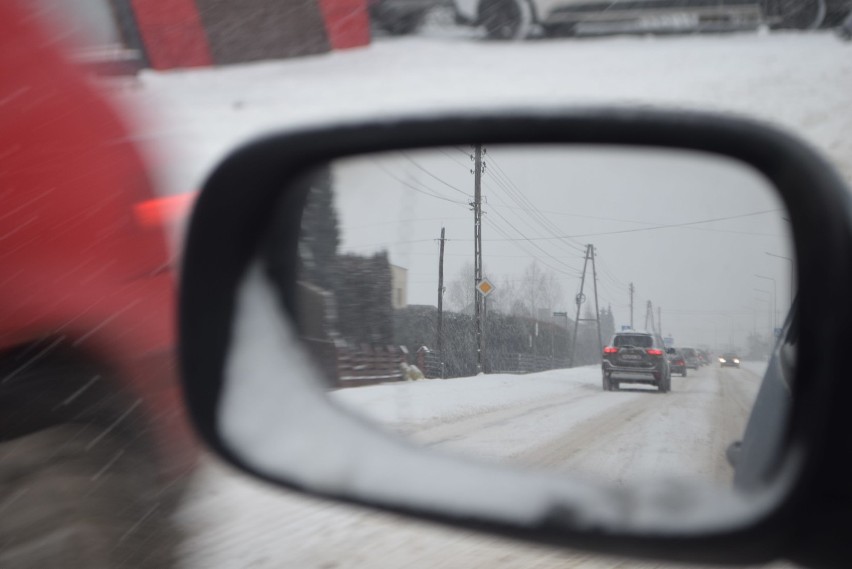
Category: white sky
[702,275]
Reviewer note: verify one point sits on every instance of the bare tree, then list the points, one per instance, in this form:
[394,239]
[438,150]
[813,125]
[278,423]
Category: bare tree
[540,291]
[537,292]
[460,291]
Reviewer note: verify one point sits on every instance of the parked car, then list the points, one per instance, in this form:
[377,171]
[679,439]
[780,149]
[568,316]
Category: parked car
[691,356]
[636,357]
[729,359]
[93,438]
[400,17]
[514,19]
[677,361]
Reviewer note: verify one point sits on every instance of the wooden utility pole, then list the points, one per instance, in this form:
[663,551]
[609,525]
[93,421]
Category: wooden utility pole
[631,306]
[477,252]
[649,316]
[440,339]
[597,310]
[580,299]
[660,321]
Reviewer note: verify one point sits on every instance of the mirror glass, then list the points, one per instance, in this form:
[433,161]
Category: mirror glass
[596,310]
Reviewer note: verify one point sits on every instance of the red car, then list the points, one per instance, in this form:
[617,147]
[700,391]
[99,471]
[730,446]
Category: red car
[92,437]
[677,361]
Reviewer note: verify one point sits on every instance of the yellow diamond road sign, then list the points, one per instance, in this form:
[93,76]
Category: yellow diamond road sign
[484,287]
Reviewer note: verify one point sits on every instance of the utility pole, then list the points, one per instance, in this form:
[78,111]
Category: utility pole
[597,310]
[660,321]
[580,299]
[649,316]
[477,251]
[774,302]
[792,273]
[631,305]
[440,340]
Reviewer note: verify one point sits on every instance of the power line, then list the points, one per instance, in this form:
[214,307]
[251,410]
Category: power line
[454,159]
[536,245]
[608,274]
[572,252]
[667,226]
[421,168]
[533,210]
[500,230]
[650,223]
[411,186]
[536,223]
[516,195]
[388,244]
[395,221]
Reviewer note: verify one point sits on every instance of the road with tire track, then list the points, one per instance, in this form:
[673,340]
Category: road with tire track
[623,435]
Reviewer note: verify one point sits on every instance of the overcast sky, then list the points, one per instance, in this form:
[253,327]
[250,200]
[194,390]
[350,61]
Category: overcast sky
[690,230]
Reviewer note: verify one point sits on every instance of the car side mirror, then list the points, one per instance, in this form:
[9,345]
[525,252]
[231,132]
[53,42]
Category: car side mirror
[262,372]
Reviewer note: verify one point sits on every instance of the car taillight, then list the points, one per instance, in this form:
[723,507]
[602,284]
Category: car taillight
[610,350]
[158,212]
[654,352]
[679,362]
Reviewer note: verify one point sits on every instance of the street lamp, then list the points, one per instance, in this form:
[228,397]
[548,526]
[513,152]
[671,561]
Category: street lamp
[774,300]
[769,307]
[792,272]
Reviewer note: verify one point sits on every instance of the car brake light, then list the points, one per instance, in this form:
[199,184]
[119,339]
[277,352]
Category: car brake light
[610,350]
[654,352]
[161,211]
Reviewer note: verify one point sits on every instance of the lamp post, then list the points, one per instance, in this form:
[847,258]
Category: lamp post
[774,301]
[792,272]
[767,293]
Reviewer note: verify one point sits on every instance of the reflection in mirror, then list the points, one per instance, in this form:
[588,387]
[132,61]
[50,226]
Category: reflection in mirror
[600,311]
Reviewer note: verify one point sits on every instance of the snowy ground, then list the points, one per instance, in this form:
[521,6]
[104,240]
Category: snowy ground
[559,420]
[799,81]
[562,420]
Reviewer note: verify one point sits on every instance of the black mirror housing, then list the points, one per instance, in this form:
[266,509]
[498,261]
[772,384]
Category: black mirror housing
[807,520]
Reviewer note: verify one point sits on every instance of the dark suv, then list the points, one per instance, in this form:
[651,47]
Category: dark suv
[677,361]
[636,357]
[691,355]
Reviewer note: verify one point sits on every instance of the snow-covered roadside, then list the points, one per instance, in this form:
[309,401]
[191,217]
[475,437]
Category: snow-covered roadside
[451,399]
[756,367]
[490,416]
[798,81]
[236,522]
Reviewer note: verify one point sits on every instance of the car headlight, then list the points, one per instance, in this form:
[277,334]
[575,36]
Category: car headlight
[721,360]
[736,361]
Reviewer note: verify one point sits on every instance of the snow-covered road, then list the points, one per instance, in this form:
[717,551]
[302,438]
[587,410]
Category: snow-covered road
[559,420]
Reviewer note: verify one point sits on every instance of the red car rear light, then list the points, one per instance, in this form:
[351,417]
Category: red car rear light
[158,212]
[678,362]
[654,352]
[610,350]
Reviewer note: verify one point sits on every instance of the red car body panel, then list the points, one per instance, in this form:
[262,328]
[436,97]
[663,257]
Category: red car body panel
[76,262]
